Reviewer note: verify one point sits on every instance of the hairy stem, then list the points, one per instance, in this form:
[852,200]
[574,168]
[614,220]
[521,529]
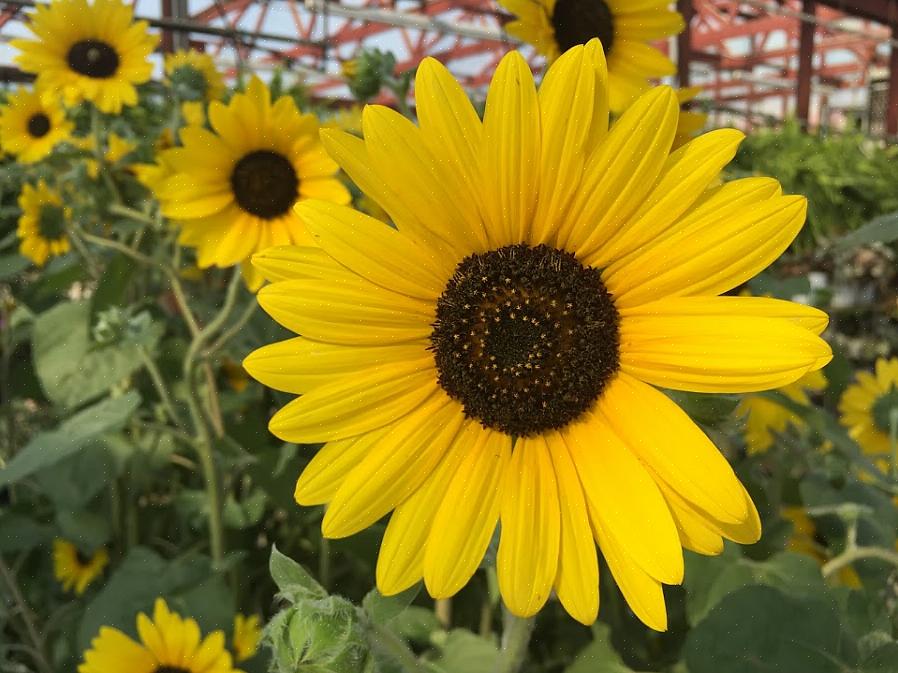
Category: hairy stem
[516,633]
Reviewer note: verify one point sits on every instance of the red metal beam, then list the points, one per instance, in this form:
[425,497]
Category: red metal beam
[892,110]
[805,63]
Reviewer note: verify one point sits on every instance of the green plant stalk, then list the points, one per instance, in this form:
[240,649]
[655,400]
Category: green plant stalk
[893,440]
[389,644]
[27,617]
[516,632]
[159,384]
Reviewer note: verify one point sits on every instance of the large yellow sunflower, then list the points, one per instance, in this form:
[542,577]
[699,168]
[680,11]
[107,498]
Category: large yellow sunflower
[168,644]
[494,357]
[42,225]
[870,406]
[194,74]
[764,417]
[623,26]
[74,570]
[233,190]
[30,127]
[93,52]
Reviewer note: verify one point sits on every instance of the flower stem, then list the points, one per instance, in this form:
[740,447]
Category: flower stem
[516,633]
[388,644]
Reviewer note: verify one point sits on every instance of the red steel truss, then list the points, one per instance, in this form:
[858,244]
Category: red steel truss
[743,52]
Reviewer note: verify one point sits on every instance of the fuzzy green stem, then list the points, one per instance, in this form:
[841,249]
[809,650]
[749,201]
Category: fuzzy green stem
[159,384]
[388,644]
[516,633]
[893,439]
[27,618]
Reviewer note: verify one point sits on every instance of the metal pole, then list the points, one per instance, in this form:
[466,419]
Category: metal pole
[805,64]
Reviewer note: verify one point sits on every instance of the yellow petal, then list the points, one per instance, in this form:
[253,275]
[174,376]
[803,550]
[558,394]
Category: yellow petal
[716,351]
[357,403]
[527,562]
[626,498]
[511,137]
[695,534]
[577,582]
[375,250]
[294,262]
[396,466]
[467,517]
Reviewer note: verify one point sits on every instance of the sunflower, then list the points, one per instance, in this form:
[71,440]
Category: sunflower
[73,569]
[493,358]
[247,634]
[42,225]
[194,76]
[117,148]
[233,189]
[869,408]
[30,127]
[168,644]
[88,52]
[623,26]
[764,417]
[690,122]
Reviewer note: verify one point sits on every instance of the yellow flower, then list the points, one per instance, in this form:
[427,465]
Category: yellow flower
[690,123]
[193,113]
[42,223]
[345,119]
[193,72]
[493,358]
[168,644]
[804,541]
[349,68]
[153,176]
[30,127]
[117,148]
[74,570]
[623,26]
[870,406]
[764,417]
[88,52]
[247,634]
[234,189]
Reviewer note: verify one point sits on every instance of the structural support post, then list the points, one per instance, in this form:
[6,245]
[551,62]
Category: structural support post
[892,109]
[805,63]
[684,43]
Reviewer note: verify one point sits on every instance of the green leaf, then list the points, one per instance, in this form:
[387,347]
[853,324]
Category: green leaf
[705,408]
[88,530]
[415,624]
[291,578]
[382,609]
[464,652]
[113,284]
[599,656]
[759,629]
[882,229]
[71,368]
[12,265]
[75,480]
[48,448]
[21,533]
[882,660]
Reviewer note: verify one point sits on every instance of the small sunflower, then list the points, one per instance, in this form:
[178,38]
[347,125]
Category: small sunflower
[74,570]
[493,358]
[117,148]
[233,189]
[247,635]
[93,52]
[168,644]
[623,26]
[194,76]
[764,417]
[42,225]
[870,407]
[30,127]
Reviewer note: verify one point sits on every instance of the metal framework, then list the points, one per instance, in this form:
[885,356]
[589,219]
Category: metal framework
[754,56]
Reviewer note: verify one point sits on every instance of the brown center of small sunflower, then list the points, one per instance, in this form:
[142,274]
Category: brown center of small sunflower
[578,21]
[265,184]
[51,222]
[38,125]
[883,408]
[525,338]
[93,58]
[82,558]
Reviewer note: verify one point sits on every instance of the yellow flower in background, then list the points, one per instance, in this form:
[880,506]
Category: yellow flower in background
[191,71]
[193,113]
[869,406]
[493,359]
[74,570]
[30,127]
[690,123]
[624,27]
[117,148]
[804,541]
[168,643]
[42,225]
[345,119]
[247,635]
[349,68]
[233,189]
[764,417]
[93,52]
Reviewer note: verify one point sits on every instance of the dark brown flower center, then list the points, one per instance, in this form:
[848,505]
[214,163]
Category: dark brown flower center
[265,184]
[578,21]
[93,58]
[526,339]
[51,222]
[38,125]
